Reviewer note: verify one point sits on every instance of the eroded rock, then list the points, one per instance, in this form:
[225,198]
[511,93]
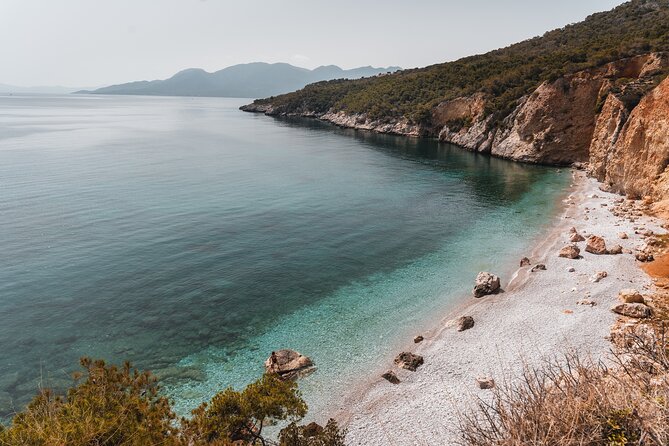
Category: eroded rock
[630,296]
[486,283]
[596,245]
[637,311]
[409,361]
[539,267]
[288,364]
[391,377]
[465,323]
[485,383]
[570,252]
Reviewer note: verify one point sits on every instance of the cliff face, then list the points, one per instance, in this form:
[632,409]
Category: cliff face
[633,155]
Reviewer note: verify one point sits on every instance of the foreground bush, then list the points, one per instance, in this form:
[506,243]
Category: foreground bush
[571,402]
[111,406]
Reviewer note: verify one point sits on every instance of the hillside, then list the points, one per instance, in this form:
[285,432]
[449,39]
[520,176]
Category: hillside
[504,75]
[584,93]
[243,81]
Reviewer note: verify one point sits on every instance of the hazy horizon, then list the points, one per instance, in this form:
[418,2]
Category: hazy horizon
[79,43]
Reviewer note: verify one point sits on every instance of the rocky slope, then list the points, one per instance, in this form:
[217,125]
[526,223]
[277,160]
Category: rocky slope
[616,118]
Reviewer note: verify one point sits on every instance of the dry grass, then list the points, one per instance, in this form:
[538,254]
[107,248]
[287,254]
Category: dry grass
[575,402]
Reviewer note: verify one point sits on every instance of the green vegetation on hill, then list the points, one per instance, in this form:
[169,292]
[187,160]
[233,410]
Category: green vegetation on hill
[504,75]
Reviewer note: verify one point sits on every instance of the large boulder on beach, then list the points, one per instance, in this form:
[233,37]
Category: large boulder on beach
[465,323]
[524,262]
[596,245]
[486,283]
[637,311]
[409,361]
[288,364]
[630,296]
[570,252]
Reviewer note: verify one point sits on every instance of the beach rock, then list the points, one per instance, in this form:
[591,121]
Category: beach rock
[630,296]
[288,364]
[643,256]
[409,361]
[596,245]
[572,230]
[599,276]
[418,339]
[637,311]
[524,262]
[486,283]
[576,237]
[586,302]
[623,235]
[391,377]
[570,252]
[485,383]
[465,323]
[616,249]
[539,267]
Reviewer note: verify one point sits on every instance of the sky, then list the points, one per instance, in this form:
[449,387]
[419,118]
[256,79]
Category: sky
[88,43]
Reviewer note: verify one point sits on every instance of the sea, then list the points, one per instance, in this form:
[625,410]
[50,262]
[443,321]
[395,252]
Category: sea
[193,239]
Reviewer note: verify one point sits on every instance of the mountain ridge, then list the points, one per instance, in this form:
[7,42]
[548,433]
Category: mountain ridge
[255,79]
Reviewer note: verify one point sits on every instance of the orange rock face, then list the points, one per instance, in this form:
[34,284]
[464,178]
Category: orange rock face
[635,162]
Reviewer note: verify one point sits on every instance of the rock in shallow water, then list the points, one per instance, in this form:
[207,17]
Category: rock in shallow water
[418,339]
[524,262]
[288,364]
[486,283]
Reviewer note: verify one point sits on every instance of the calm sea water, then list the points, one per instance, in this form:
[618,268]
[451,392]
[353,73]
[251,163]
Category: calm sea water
[194,239]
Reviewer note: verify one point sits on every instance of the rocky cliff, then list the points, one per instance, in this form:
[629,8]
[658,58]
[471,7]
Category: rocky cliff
[615,118]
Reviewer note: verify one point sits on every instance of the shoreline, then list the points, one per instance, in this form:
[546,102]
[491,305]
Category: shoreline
[536,317]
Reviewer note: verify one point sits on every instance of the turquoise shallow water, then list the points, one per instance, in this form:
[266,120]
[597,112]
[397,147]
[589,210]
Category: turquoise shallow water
[193,239]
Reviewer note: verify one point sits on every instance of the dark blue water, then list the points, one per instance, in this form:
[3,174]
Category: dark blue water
[193,239]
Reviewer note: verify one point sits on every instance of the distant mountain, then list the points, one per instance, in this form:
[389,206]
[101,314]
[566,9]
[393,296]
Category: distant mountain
[250,80]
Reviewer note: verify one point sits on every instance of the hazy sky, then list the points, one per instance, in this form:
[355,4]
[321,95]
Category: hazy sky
[94,42]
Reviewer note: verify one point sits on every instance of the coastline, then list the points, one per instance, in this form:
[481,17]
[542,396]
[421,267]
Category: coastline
[536,317]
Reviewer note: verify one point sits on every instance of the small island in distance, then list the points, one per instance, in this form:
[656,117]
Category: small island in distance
[251,80]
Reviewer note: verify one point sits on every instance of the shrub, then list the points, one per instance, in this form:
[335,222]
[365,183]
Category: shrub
[572,402]
[108,406]
[112,406]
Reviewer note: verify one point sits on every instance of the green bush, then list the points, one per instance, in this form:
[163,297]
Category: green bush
[112,406]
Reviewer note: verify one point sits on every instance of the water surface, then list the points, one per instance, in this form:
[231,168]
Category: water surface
[193,239]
